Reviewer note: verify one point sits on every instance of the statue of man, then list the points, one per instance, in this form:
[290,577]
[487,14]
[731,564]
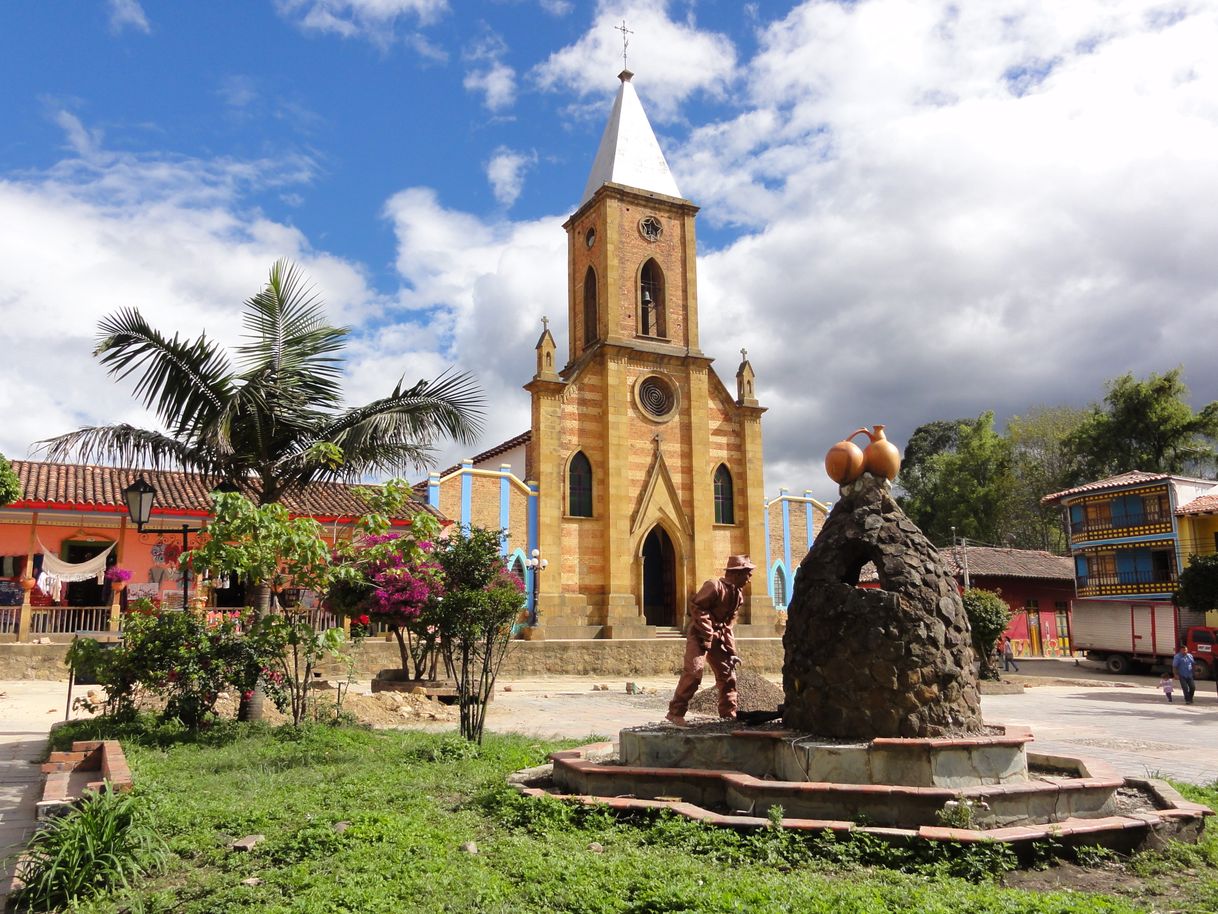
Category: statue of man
[712,612]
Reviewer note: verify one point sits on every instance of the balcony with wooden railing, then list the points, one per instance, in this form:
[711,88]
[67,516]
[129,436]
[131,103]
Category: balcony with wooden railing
[1122,583]
[1141,523]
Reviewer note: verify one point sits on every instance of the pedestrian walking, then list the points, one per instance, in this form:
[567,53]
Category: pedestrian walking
[1182,666]
[1167,684]
[1008,655]
[711,639]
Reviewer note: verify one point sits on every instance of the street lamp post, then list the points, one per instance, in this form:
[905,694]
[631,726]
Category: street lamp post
[139,498]
[538,564]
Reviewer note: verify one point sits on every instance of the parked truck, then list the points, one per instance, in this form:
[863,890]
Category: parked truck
[1122,635]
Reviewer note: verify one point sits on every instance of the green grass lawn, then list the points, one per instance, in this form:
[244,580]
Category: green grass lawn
[412,800]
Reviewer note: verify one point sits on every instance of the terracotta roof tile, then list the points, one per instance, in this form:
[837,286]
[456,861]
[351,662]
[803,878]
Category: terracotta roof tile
[1205,504]
[991,562]
[88,487]
[1133,477]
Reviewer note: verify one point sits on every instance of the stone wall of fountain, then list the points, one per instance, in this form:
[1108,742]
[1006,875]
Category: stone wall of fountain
[890,662]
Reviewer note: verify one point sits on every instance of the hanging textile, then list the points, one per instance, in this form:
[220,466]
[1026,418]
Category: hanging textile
[56,572]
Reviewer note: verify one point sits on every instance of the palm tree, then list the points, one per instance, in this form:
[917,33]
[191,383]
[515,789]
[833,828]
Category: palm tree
[275,421]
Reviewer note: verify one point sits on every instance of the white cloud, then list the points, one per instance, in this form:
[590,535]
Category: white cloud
[490,283]
[127,13]
[497,81]
[371,19]
[673,59]
[959,208]
[949,209]
[168,236]
[84,142]
[489,75]
[506,171]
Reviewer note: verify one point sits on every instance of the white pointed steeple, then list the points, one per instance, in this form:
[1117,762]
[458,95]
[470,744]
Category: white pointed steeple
[629,153]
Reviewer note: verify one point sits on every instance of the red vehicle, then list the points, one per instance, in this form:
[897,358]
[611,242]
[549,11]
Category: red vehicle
[1123,635]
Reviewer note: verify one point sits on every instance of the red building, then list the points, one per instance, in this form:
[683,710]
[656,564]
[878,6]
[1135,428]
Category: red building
[1038,586]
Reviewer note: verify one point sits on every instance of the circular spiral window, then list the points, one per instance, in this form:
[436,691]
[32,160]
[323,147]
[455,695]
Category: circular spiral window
[656,396]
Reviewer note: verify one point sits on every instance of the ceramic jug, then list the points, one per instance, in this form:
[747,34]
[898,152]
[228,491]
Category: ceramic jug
[844,462]
[881,457]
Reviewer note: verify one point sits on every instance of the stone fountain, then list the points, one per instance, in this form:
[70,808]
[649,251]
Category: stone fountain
[881,722]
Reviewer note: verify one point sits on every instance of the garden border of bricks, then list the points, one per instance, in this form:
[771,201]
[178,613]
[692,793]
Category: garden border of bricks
[103,756]
[1177,816]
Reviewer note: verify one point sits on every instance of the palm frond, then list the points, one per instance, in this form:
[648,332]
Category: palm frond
[291,350]
[450,405]
[126,445]
[181,380]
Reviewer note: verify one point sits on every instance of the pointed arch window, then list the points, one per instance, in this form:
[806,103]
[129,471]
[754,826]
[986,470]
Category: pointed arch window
[725,512]
[590,307]
[780,586]
[651,300]
[579,486]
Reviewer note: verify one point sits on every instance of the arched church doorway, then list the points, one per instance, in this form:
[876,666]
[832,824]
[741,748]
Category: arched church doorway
[659,579]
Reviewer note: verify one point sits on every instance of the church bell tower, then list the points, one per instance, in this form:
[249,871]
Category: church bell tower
[649,469]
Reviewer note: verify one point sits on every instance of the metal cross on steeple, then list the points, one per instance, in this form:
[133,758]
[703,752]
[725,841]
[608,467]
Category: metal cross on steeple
[545,323]
[625,41]
[744,354]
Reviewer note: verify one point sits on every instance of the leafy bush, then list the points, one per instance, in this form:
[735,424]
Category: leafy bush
[105,842]
[10,485]
[175,655]
[988,616]
[1198,587]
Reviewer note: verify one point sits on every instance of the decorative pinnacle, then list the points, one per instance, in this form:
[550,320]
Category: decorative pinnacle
[545,323]
[744,355]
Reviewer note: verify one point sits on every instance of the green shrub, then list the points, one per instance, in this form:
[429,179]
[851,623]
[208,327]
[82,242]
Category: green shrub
[105,842]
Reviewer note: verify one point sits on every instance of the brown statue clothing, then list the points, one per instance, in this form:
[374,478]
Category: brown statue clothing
[711,640]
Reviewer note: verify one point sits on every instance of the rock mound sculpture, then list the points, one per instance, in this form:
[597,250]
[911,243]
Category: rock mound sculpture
[890,662]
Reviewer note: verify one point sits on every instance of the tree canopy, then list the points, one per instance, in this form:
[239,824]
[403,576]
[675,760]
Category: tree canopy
[962,473]
[1198,585]
[10,485]
[962,478]
[1145,425]
[271,418]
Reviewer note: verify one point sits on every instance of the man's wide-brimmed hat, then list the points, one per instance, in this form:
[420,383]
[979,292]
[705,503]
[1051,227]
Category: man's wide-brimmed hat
[739,563]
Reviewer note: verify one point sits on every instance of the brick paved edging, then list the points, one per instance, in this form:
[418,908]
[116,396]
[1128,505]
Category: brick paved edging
[1174,816]
[103,756]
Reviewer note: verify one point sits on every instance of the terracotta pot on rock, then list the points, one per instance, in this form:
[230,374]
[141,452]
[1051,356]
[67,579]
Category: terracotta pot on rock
[881,458]
[844,462]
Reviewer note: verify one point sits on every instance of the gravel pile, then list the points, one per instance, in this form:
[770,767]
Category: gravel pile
[754,692]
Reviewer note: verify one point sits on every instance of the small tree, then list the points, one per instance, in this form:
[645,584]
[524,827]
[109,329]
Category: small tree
[1198,587]
[268,546]
[481,600]
[988,615]
[390,577]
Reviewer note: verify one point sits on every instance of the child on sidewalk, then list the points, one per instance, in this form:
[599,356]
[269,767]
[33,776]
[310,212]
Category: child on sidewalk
[1167,684]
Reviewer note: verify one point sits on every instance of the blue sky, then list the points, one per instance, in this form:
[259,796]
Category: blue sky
[911,209]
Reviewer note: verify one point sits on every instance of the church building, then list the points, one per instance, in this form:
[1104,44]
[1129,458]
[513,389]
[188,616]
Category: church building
[642,470]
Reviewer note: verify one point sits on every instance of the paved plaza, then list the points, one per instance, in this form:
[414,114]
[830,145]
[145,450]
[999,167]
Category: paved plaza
[1124,720]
